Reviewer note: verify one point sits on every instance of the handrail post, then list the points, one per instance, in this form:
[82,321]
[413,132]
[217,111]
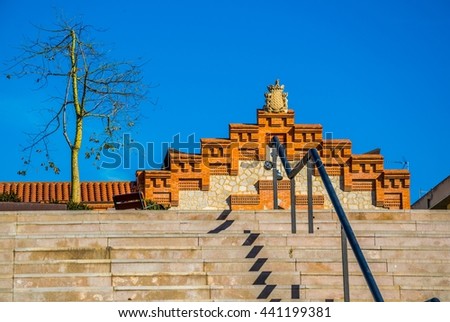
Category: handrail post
[309,174]
[293,210]
[345,274]
[275,179]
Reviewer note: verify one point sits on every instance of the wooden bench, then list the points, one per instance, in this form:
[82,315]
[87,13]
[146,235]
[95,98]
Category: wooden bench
[133,200]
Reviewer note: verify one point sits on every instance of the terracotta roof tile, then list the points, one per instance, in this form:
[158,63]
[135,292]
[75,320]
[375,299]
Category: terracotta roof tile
[91,192]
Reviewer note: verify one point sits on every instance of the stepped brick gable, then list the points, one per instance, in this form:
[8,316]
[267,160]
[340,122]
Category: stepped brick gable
[229,173]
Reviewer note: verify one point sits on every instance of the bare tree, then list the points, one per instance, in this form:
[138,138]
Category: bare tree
[91,87]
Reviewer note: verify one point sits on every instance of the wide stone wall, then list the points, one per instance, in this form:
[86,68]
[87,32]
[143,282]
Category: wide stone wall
[246,182]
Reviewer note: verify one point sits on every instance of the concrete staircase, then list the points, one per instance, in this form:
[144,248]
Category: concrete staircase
[218,256]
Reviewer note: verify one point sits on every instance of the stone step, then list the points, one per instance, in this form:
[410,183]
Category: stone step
[306,293]
[6,287]
[121,280]
[160,278]
[6,242]
[269,292]
[402,279]
[176,293]
[358,293]
[408,253]
[328,271]
[369,214]
[317,293]
[63,227]
[64,294]
[261,277]
[151,279]
[335,266]
[289,265]
[421,239]
[431,280]
[205,293]
[276,252]
[227,293]
[143,215]
[232,265]
[7,228]
[418,266]
[167,253]
[218,293]
[6,255]
[202,278]
[57,227]
[6,268]
[396,266]
[62,266]
[335,279]
[191,293]
[387,253]
[322,238]
[6,295]
[206,253]
[58,280]
[62,241]
[329,238]
[429,215]
[423,292]
[360,226]
[52,254]
[310,280]
[226,252]
[205,226]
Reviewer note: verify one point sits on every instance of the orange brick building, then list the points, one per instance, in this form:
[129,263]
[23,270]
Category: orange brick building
[229,173]
[216,179]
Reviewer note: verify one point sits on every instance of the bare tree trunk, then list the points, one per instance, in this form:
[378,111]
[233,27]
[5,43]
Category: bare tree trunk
[75,148]
[75,177]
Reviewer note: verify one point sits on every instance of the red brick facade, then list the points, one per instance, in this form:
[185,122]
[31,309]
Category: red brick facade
[359,172]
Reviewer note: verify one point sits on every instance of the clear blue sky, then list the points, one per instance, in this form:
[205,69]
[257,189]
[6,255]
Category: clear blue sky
[376,72]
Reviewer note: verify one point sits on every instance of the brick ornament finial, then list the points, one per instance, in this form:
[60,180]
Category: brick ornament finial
[276,99]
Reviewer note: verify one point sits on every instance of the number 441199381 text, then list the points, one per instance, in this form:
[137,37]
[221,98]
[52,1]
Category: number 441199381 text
[296,311]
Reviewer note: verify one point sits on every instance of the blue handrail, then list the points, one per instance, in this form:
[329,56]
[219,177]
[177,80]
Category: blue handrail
[365,269]
[292,172]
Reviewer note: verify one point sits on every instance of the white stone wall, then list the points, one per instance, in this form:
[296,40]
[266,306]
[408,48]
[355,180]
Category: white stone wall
[250,172]
[221,187]
[350,200]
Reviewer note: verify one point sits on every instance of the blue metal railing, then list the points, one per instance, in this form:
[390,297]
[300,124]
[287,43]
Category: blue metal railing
[311,159]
